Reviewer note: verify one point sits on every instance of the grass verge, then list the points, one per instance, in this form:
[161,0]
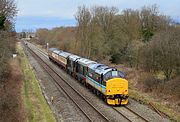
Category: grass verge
[147,99]
[36,106]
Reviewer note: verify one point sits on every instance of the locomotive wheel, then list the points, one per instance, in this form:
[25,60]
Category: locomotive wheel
[94,91]
[97,92]
[100,95]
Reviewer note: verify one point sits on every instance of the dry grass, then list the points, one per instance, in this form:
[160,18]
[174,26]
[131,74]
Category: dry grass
[36,106]
[11,106]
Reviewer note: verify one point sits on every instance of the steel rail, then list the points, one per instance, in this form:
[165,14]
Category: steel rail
[128,118]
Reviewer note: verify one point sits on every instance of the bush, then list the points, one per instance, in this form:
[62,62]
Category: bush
[115,58]
[170,87]
[148,82]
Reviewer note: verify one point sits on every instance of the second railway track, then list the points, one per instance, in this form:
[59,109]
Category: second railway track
[129,114]
[84,105]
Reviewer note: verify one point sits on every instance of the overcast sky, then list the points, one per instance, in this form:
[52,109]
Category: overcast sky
[35,14]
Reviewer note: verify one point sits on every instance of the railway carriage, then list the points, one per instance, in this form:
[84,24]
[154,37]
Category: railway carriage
[53,54]
[82,67]
[109,82]
[63,59]
[94,78]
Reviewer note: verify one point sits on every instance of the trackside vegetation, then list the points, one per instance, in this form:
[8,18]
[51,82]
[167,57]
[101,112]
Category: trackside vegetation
[36,106]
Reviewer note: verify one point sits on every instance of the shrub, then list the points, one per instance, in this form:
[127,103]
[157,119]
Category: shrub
[147,82]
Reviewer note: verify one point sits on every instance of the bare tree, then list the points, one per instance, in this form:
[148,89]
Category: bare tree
[8,11]
[42,35]
[95,29]
[83,17]
[152,21]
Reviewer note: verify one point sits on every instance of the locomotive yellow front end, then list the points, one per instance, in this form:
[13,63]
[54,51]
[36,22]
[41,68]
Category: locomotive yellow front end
[117,91]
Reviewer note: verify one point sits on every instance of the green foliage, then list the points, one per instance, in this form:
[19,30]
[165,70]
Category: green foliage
[115,58]
[147,34]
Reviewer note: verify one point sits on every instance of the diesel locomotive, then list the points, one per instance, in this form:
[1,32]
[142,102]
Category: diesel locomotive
[107,82]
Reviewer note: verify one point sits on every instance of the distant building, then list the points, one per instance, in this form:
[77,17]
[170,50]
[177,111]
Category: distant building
[27,35]
[30,35]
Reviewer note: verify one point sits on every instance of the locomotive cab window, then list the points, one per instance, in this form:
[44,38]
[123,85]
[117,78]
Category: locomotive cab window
[107,76]
[121,74]
[110,75]
[114,73]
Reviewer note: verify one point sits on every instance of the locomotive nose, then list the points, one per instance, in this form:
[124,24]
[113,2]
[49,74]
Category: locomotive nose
[117,91]
[116,86]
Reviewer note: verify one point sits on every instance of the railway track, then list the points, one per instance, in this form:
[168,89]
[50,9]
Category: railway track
[124,111]
[90,112]
[129,114]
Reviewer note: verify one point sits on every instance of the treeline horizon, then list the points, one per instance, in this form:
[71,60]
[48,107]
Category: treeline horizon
[141,38]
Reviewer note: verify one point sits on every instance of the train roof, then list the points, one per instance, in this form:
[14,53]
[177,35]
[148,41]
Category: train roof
[104,70]
[100,68]
[95,66]
[52,49]
[64,54]
[57,51]
[85,62]
[74,57]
